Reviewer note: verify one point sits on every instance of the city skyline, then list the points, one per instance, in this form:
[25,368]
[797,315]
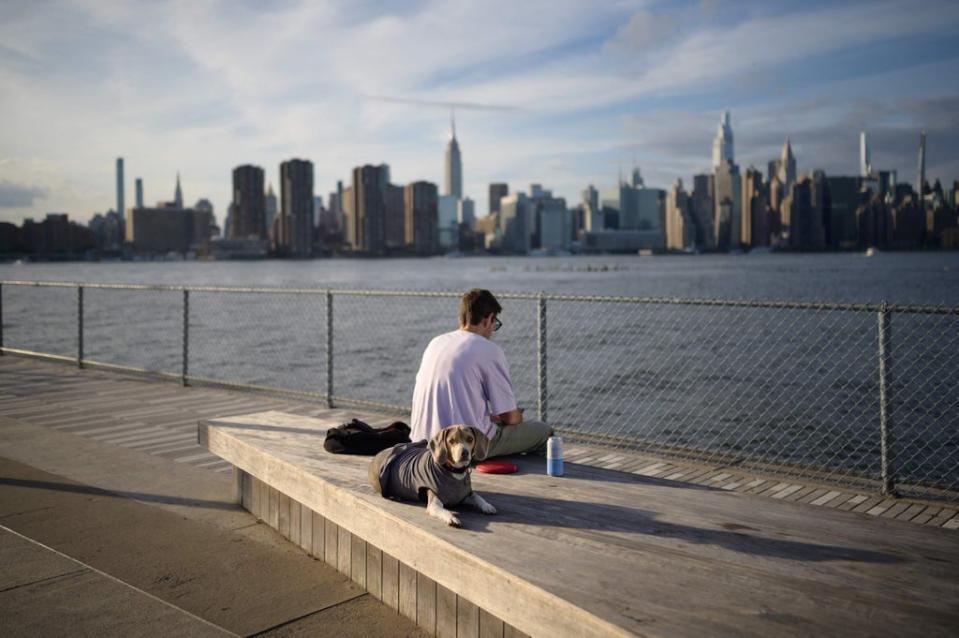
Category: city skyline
[597,87]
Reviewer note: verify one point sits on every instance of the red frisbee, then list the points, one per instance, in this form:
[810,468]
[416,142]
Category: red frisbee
[496,467]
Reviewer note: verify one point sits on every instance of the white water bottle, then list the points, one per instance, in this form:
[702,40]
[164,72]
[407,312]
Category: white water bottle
[554,456]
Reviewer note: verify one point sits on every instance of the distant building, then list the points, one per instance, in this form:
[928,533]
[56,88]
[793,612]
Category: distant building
[703,211]
[723,142]
[453,182]
[637,208]
[447,225]
[874,224]
[555,224]
[802,213]
[466,212]
[120,205]
[270,210]
[497,191]
[844,199]
[754,230]
[865,166]
[139,192]
[296,208]
[205,220]
[515,217]
[178,194]
[787,166]
[367,209]
[421,216]
[728,211]
[921,177]
[249,219]
[394,217]
[107,231]
[159,231]
[680,227]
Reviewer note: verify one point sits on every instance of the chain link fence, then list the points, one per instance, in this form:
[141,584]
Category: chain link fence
[861,395]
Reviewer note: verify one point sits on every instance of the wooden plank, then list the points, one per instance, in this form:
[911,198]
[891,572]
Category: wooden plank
[489,625]
[294,521]
[344,546]
[445,612]
[284,515]
[332,542]
[509,631]
[407,592]
[255,501]
[374,572]
[319,537]
[247,490]
[391,582]
[274,513]
[426,603]
[306,528]
[358,561]
[911,512]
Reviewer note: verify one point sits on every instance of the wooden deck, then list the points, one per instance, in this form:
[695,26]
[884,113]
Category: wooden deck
[160,418]
[599,552]
[684,549]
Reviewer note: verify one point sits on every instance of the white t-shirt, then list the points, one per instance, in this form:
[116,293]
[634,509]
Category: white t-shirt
[463,380]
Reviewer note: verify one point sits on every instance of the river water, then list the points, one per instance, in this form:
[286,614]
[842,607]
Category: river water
[776,386]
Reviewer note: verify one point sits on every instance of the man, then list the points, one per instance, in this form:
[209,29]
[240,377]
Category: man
[464,380]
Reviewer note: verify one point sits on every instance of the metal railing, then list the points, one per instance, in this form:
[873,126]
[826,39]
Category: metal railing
[813,390]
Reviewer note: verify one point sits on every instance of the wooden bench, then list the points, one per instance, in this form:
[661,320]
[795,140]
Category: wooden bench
[595,553]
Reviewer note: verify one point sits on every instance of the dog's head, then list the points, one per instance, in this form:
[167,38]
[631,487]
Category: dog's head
[458,445]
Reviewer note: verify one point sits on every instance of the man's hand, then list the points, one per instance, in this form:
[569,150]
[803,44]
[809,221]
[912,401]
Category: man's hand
[513,417]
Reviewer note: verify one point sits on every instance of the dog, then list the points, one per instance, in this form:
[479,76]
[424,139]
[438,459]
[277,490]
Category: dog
[437,472]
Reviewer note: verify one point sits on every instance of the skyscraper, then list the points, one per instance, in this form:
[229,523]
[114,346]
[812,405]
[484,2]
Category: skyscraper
[249,203]
[497,191]
[865,167]
[178,194]
[367,208]
[753,230]
[394,217]
[296,208]
[139,191]
[922,168]
[723,143]
[120,205]
[787,166]
[680,229]
[453,182]
[420,212]
[728,211]
[269,210]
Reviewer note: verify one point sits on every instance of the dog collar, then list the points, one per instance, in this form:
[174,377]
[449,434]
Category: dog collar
[455,470]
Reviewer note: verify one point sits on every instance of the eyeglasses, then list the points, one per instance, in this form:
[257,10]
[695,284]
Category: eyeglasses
[497,324]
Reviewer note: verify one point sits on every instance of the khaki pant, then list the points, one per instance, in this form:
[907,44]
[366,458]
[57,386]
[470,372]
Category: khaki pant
[528,436]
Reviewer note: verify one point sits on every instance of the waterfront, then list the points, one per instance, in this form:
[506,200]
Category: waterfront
[919,277]
[783,385]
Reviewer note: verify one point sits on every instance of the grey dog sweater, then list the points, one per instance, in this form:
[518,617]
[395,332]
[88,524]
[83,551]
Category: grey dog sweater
[407,470]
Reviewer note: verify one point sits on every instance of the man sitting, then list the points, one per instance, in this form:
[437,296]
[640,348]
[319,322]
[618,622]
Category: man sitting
[464,379]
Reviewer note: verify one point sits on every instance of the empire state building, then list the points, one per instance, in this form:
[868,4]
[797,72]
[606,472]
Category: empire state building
[453,182]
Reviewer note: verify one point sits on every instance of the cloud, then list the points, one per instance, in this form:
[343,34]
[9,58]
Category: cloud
[644,30]
[19,196]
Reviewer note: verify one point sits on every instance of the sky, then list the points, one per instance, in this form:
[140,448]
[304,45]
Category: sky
[560,92]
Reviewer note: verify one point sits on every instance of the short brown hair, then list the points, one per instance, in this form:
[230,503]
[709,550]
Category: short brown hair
[476,305]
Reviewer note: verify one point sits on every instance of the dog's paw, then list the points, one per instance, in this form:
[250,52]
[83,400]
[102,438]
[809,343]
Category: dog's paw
[486,508]
[453,521]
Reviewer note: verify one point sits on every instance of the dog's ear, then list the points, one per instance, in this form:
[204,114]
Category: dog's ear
[438,447]
[480,444]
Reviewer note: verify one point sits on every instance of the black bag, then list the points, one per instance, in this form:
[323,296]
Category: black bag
[357,437]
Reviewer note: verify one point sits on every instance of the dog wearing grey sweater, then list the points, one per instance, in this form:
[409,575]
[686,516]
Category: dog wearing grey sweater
[436,472]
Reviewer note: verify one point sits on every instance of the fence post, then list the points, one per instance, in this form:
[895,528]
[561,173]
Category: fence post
[1,320]
[80,326]
[888,487]
[541,358]
[329,349]
[186,336]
